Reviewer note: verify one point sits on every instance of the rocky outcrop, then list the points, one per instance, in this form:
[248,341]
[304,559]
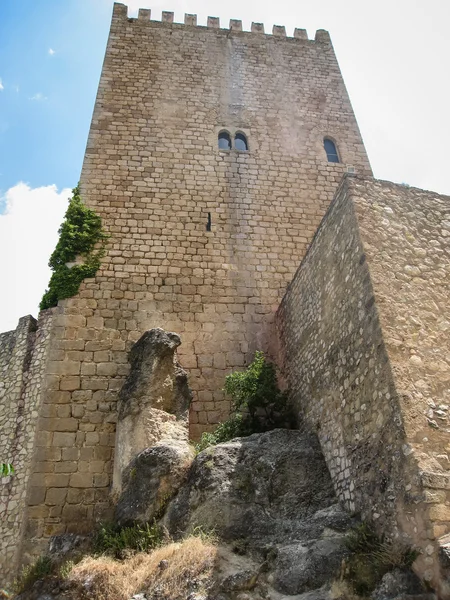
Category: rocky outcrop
[271,496]
[152,445]
[266,485]
[264,505]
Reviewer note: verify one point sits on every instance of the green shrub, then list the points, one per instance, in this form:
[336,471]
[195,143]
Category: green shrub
[257,404]
[372,557]
[114,540]
[40,569]
[81,234]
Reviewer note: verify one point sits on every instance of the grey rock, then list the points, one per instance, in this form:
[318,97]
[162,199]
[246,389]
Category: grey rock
[301,568]
[153,360]
[269,487]
[67,545]
[241,581]
[398,583]
[153,402]
[150,480]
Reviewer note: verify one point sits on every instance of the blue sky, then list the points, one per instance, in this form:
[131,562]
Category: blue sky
[394,57]
[50,59]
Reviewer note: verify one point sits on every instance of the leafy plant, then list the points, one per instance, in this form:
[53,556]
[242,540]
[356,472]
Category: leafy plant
[43,567]
[6,469]
[372,557]
[233,427]
[80,235]
[114,540]
[255,391]
[257,403]
[66,568]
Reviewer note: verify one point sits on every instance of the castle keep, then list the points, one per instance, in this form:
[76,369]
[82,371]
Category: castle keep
[214,154]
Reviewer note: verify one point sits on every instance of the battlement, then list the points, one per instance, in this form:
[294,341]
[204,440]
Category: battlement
[120,12]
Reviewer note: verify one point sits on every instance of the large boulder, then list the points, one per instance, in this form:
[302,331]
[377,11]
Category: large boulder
[268,485]
[151,480]
[271,497]
[153,403]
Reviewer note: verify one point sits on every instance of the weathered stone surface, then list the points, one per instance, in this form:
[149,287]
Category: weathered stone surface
[398,584]
[301,568]
[365,351]
[153,402]
[151,479]
[268,484]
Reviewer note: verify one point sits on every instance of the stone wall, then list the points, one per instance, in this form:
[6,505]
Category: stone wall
[362,330]
[154,173]
[22,365]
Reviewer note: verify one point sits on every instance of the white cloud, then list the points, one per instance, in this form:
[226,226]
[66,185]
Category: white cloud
[39,97]
[51,51]
[2,87]
[28,235]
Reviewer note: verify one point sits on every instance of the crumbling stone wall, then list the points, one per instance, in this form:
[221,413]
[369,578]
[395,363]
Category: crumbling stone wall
[22,364]
[154,173]
[368,301]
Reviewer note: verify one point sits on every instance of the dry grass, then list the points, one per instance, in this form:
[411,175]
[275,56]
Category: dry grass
[108,579]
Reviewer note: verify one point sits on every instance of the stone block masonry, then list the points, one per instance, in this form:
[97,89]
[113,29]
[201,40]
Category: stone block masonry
[23,354]
[365,350]
[203,241]
[154,172]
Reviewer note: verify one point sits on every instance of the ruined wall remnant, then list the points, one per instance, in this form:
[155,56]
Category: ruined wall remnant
[362,328]
[23,355]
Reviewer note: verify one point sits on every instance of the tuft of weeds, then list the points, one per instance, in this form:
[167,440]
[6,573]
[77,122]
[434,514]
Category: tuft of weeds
[371,557]
[116,541]
[207,536]
[42,568]
[66,568]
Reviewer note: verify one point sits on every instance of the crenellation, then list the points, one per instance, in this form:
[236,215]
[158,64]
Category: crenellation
[322,36]
[235,25]
[257,28]
[279,31]
[300,34]
[190,19]
[167,16]
[144,14]
[120,12]
[214,22]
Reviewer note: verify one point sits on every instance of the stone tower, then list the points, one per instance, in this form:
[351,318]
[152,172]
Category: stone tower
[203,238]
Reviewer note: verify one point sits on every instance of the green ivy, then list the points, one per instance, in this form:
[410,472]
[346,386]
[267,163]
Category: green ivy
[81,234]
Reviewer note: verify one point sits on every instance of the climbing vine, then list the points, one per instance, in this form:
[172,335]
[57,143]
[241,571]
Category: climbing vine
[80,235]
